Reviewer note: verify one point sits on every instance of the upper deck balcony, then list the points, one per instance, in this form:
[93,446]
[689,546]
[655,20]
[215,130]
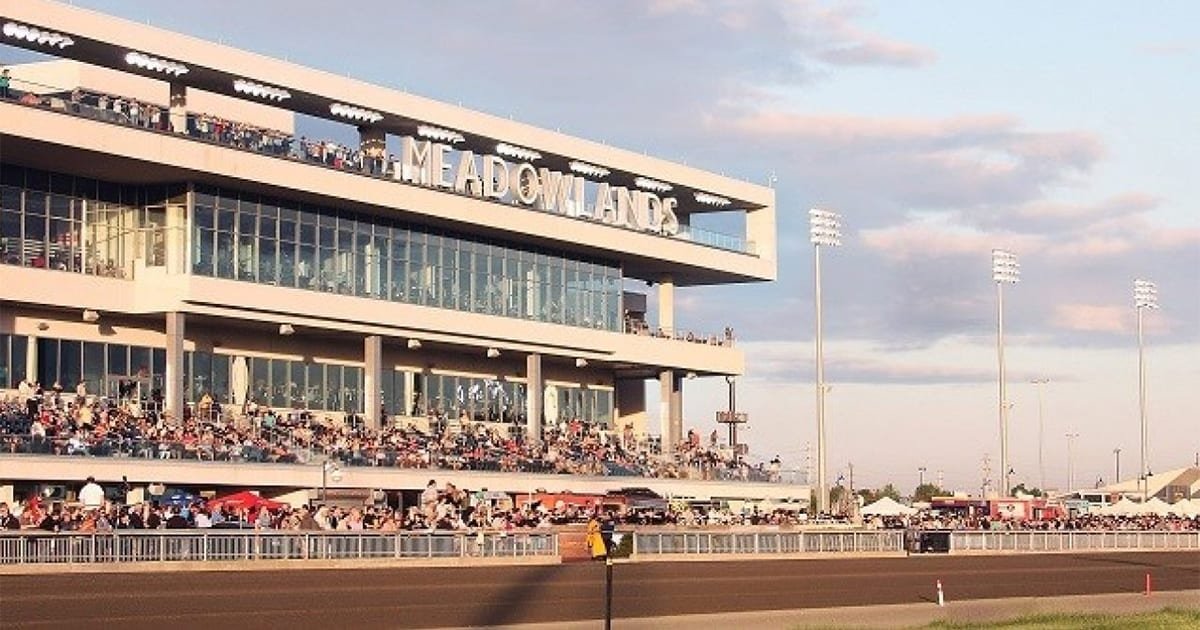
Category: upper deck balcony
[626,206]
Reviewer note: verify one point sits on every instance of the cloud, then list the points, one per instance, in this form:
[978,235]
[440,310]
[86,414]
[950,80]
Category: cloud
[1091,317]
[952,162]
[1168,48]
[859,362]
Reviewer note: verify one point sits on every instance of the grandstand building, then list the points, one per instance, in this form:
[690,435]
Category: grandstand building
[164,231]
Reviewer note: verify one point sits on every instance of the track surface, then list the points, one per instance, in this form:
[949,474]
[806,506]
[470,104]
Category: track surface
[432,597]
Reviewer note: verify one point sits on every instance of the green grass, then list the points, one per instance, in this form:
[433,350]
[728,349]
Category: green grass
[1165,619]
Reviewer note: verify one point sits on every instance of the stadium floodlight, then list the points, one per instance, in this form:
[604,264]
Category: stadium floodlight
[583,168]
[517,153]
[155,64]
[245,86]
[711,200]
[438,133]
[355,113]
[646,183]
[1145,297]
[825,228]
[35,35]
[1005,270]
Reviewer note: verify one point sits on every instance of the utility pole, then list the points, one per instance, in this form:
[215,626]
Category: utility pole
[1117,452]
[987,475]
[1071,462]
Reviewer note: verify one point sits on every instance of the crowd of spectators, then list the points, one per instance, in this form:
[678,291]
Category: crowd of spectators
[52,421]
[930,519]
[446,509]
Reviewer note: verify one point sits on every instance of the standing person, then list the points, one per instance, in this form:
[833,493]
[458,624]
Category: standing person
[7,520]
[91,495]
[607,528]
[594,540]
[5,81]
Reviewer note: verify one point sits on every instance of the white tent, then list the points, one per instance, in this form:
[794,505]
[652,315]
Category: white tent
[887,507]
[1155,506]
[1120,508]
[1185,507]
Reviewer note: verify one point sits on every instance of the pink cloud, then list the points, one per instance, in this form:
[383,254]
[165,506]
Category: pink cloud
[918,239]
[1091,318]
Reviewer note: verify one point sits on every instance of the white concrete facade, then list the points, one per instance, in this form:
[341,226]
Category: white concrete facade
[162,304]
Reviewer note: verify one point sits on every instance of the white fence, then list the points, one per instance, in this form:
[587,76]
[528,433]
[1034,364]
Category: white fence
[174,546]
[1018,541]
[767,543]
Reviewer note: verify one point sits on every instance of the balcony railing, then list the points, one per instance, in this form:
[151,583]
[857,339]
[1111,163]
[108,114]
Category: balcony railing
[203,127]
[640,327]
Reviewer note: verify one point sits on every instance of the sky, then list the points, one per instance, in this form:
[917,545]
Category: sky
[1066,132]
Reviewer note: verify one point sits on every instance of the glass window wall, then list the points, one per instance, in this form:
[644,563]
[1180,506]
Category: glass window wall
[76,224]
[244,237]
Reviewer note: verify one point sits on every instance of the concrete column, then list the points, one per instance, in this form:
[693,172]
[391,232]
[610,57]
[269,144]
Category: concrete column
[174,386]
[410,390]
[176,238]
[178,113]
[372,384]
[666,305]
[670,408]
[31,359]
[7,494]
[534,392]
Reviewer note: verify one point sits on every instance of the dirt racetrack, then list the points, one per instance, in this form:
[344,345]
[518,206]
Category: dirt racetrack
[439,597]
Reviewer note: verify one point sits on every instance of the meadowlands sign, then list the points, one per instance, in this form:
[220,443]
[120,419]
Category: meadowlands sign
[435,165]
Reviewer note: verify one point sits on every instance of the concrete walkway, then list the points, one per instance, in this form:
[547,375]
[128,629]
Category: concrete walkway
[897,616]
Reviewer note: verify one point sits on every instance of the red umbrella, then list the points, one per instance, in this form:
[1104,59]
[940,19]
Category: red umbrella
[245,499]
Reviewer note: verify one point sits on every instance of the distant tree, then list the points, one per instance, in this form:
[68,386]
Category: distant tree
[835,495]
[889,491]
[1020,489]
[926,491]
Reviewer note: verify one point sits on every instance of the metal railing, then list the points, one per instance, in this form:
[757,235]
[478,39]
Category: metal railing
[767,543]
[271,142]
[1035,541]
[25,548]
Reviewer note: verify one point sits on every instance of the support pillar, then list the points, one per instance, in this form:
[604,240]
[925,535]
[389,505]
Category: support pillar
[178,113]
[631,407]
[372,383]
[534,393]
[31,359]
[666,305]
[174,387]
[670,409]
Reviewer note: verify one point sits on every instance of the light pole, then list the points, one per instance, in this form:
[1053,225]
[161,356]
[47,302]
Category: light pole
[329,470]
[1005,270]
[920,476]
[1145,296]
[1117,452]
[825,228]
[1071,462]
[1038,382]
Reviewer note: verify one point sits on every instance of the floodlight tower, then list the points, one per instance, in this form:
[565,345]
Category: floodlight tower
[1005,270]
[825,229]
[1145,296]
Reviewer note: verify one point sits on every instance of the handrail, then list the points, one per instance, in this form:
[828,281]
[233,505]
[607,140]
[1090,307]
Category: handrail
[290,147]
[28,547]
